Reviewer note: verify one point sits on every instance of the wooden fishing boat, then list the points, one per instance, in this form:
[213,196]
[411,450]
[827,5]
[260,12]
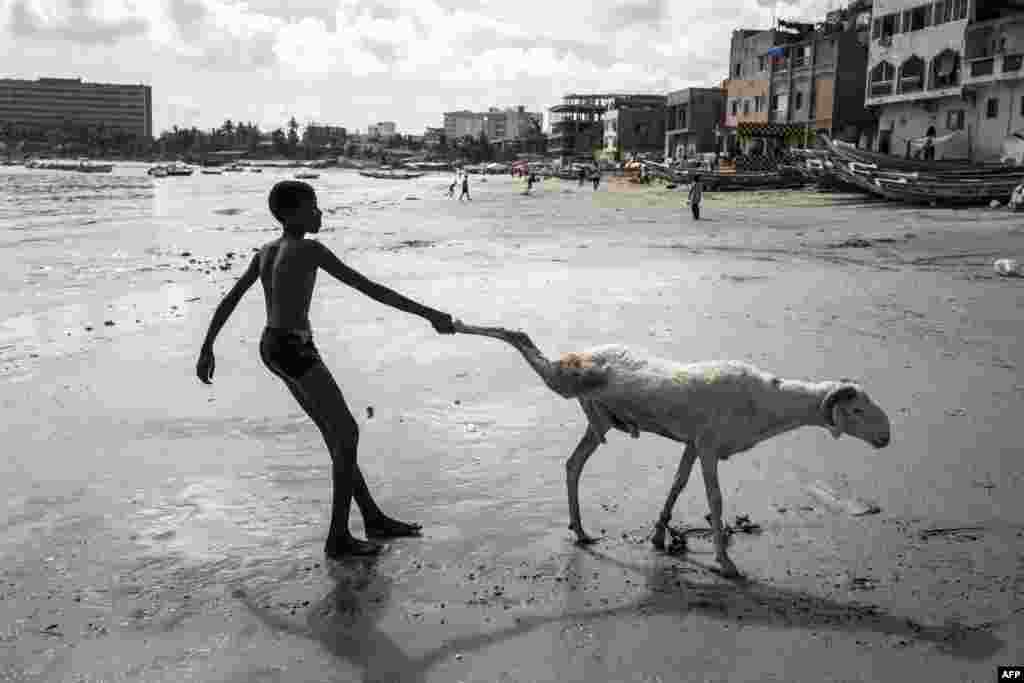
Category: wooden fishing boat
[391,175]
[930,183]
[716,181]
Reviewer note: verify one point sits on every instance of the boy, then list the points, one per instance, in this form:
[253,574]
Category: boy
[451,188]
[287,268]
[696,195]
[465,188]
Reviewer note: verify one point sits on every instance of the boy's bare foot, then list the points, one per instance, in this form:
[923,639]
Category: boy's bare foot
[386,527]
[350,547]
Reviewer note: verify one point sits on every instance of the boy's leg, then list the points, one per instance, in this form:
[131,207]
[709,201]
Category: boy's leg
[696,210]
[320,396]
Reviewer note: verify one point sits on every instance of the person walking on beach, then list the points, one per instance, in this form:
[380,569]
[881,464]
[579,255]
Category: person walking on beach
[583,175]
[530,180]
[451,188]
[596,178]
[465,187]
[287,268]
[696,195]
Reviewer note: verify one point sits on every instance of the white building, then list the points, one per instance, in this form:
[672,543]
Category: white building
[382,129]
[950,68]
[497,124]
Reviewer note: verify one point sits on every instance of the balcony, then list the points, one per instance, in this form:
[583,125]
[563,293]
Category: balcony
[881,88]
[998,67]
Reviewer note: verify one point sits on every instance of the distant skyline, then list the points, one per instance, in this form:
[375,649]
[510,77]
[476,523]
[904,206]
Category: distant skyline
[356,62]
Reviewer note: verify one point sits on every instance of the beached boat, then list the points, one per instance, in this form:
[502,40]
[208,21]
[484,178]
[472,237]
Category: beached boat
[719,181]
[307,175]
[211,170]
[234,168]
[81,165]
[172,169]
[255,170]
[924,182]
[391,175]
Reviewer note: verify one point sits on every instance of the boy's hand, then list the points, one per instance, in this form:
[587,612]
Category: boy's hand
[205,366]
[443,324]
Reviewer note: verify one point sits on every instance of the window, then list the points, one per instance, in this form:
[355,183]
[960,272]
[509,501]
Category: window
[1011,63]
[776,102]
[736,70]
[759,103]
[912,75]
[889,22]
[799,103]
[762,63]
[905,24]
[945,71]
[746,106]
[958,10]
[881,78]
[992,108]
[955,119]
[735,106]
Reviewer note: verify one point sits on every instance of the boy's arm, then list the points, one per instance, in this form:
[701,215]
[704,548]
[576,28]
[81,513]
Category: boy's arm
[327,260]
[227,305]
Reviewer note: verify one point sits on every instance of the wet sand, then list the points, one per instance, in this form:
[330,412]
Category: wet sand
[157,529]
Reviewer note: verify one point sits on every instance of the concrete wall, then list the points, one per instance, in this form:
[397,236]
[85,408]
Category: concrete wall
[989,133]
[909,120]
[849,112]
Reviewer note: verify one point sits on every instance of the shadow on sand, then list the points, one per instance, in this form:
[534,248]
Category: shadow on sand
[345,620]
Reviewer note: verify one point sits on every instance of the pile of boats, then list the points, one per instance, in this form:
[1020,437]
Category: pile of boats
[391,174]
[725,180]
[953,183]
[81,165]
[172,169]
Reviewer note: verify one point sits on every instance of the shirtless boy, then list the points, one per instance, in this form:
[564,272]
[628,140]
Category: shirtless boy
[287,268]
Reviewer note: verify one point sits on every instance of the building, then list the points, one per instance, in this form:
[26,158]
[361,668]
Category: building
[789,83]
[818,77]
[382,129]
[635,128]
[577,124]
[993,79]
[512,123]
[63,103]
[432,136]
[324,136]
[692,118]
[915,75]
[459,124]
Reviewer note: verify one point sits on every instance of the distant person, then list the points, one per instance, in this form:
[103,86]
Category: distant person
[465,187]
[596,178]
[582,175]
[530,180]
[287,268]
[696,196]
[451,188]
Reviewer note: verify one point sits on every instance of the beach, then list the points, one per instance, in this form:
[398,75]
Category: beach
[157,529]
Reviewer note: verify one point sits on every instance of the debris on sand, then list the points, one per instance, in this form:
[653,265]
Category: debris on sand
[854,507]
[962,533]
[229,212]
[1008,267]
[369,412]
[741,525]
[863,243]
[411,244]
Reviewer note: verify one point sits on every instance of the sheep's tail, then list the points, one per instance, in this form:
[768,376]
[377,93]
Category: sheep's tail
[567,379]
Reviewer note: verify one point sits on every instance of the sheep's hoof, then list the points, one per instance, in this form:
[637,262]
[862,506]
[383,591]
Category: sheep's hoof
[584,539]
[658,540]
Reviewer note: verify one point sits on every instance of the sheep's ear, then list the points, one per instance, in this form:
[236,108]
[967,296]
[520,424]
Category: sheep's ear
[835,418]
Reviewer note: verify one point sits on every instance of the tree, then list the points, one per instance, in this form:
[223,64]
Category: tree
[293,135]
[280,141]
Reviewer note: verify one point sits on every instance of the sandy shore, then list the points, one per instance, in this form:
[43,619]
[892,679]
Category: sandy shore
[157,529]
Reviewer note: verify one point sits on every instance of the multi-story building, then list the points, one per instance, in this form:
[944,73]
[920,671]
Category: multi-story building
[635,128]
[432,136]
[62,103]
[915,75]
[577,124]
[818,77]
[692,117]
[512,123]
[382,129]
[789,83]
[458,124]
[316,135]
[993,77]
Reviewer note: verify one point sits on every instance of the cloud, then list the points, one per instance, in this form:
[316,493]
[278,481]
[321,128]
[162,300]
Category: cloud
[352,62]
[82,21]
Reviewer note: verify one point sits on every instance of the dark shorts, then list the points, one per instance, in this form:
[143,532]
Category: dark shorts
[289,354]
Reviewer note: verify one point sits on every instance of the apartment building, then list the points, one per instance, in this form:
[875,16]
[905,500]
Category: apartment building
[317,135]
[635,128]
[916,76]
[382,129]
[55,103]
[577,124]
[692,119]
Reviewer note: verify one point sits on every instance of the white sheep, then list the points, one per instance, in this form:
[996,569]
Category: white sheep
[714,408]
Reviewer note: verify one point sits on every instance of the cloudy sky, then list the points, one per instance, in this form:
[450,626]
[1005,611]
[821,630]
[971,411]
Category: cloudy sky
[354,62]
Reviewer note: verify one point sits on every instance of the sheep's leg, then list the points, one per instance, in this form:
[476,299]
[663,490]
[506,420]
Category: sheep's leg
[573,469]
[678,484]
[709,468]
